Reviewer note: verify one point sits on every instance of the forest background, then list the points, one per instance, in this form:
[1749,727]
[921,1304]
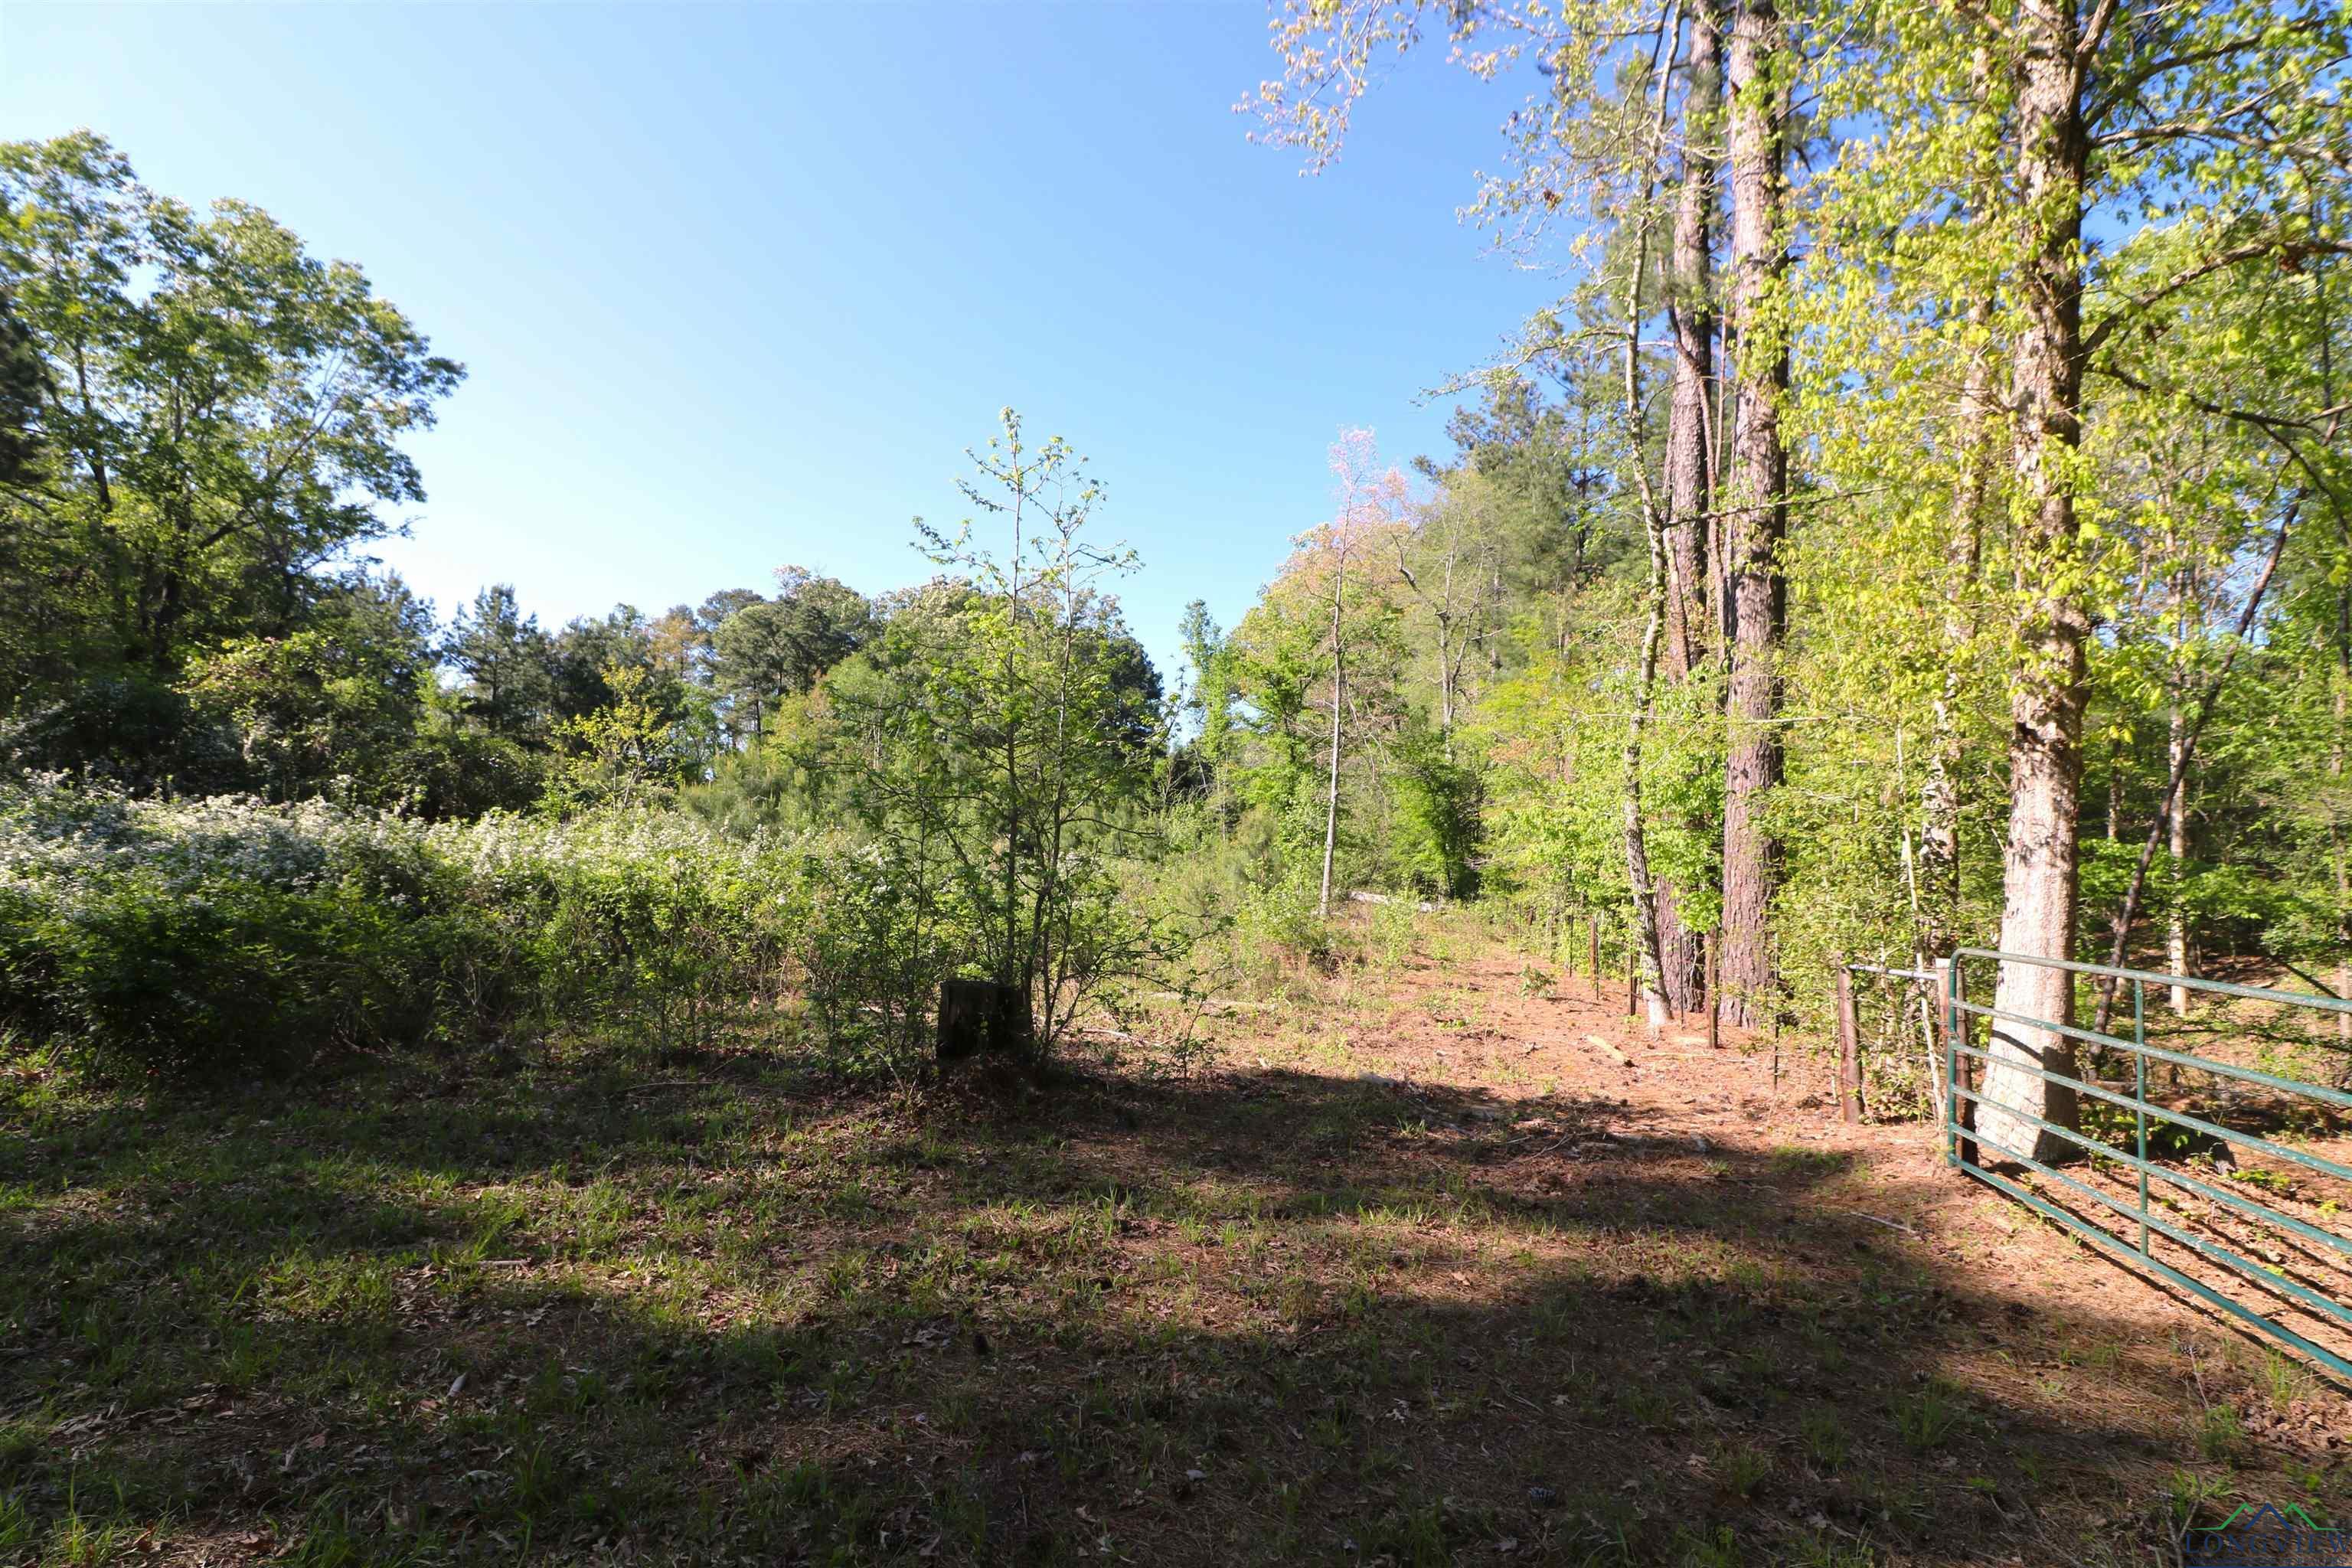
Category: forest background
[1920,520]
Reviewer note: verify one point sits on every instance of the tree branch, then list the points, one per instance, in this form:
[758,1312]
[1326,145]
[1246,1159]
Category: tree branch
[2097,335]
[2128,911]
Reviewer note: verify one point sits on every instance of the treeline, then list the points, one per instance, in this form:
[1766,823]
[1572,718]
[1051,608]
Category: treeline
[358,691]
[208,431]
[1942,498]
[261,804]
[1921,523]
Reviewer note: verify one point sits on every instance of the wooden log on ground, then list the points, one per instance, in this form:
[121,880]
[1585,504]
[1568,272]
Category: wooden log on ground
[1606,1049]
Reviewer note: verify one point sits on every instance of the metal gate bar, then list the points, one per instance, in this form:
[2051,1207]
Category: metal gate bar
[1959,1014]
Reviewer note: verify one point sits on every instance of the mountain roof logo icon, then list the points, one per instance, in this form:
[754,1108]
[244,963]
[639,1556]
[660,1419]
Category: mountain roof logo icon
[2247,1517]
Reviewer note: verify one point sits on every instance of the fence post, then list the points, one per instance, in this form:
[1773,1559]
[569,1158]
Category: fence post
[1956,1036]
[1946,971]
[2139,1092]
[1632,969]
[1849,1061]
[1707,976]
[1592,931]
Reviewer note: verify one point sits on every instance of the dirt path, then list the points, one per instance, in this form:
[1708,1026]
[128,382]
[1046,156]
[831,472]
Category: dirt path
[1481,1023]
[1490,1042]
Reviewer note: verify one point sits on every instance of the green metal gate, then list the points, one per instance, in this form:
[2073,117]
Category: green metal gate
[2141,1225]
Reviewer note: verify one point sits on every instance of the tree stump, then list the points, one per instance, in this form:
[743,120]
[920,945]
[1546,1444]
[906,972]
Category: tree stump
[977,1015]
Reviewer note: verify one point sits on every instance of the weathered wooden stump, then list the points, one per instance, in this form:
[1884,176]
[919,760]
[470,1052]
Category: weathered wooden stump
[977,1015]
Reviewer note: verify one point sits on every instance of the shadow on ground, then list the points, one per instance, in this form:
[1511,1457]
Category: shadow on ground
[579,1313]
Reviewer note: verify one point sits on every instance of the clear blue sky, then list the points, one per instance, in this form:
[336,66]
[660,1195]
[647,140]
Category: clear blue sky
[736,286]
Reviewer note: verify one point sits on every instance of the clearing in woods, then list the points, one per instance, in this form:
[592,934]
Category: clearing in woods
[1440,1263]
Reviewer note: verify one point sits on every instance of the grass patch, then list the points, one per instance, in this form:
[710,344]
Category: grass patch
[715,1310]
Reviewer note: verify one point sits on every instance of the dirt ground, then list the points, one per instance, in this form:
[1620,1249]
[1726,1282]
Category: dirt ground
[1748,1087]
[1433,1264]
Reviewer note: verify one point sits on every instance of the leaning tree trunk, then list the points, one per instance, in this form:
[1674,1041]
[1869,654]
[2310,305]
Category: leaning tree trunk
[2342,684]
[1654,529]
[1940,794]
[1339,706]
[1758,512]
[1691,312]
[2176,816]
[2047,688]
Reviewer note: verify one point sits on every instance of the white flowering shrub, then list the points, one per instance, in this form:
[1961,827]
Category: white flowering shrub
[173,935]
[222,936]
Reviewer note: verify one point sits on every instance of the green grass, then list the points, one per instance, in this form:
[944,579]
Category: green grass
[1929,1419]
[1825,1440]
[715,1311]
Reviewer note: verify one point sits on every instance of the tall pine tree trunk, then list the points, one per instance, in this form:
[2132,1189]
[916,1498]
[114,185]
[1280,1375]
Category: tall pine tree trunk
[1757,513]
[1690,311]
[2047,688]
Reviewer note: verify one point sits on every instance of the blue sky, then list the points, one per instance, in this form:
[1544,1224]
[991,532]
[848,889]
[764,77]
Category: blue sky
[736,286]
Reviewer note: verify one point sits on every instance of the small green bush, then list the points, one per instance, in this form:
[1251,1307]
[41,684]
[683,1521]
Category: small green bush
[869,943]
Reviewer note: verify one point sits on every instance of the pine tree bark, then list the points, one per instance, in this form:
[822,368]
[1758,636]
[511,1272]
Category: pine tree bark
[2039,887]
[1757,512]
[1690,312]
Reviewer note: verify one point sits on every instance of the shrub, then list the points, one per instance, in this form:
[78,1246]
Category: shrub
[869,946]
[224,935]
[170,937]
[182,979]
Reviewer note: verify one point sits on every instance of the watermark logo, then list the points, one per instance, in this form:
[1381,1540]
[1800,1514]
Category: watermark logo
[2267,1537]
